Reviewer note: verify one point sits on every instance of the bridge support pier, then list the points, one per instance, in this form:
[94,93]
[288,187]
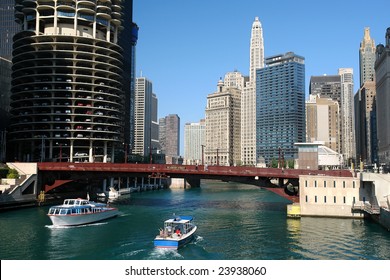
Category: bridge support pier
[179,183]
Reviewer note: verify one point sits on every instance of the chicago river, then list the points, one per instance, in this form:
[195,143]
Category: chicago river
[235,222]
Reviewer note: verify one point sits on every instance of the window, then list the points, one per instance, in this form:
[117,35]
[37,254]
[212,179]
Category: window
[334,199]
[324,199]
[306,198]
[315,199]
[315,184]
[344,184]
[324,184]
[334,184]
[306,184]
[353,184]
[344,199]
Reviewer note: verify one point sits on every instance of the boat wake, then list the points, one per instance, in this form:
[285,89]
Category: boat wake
[198,239]
[164,254]
[80,226]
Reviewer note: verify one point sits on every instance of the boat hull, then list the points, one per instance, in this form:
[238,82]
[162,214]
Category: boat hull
[81,219]
[174,243]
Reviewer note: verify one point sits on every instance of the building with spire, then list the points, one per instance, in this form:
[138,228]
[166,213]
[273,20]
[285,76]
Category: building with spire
[365,103]
[367,58]
[248,98]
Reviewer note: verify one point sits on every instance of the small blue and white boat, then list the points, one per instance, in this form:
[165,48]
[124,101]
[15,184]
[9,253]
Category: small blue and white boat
[177,232]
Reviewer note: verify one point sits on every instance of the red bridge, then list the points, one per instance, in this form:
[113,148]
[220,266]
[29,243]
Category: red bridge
[55,174]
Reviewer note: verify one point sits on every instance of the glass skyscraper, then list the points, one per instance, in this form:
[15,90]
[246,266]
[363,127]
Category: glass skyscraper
[280,107]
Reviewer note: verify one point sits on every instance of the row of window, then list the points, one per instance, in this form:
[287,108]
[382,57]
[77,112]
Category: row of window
[331,199]
[326,184]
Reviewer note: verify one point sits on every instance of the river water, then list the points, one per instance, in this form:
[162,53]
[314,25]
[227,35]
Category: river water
[235,222]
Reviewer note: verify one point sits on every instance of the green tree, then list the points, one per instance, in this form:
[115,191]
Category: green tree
[13,174]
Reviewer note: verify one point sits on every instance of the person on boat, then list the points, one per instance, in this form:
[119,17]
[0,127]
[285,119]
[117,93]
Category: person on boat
[177,232]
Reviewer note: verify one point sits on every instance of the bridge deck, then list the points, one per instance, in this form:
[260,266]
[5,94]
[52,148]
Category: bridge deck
[172,169]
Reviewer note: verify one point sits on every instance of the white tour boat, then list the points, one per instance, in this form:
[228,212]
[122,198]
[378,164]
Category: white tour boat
[80,211]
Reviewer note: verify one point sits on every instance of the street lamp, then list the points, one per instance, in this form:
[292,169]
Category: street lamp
[203,154]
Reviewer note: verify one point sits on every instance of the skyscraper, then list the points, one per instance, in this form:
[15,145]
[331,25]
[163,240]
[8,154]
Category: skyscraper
[367,58]
[325,87]
[223,126]
[127,40]
[280,104]
[169,136]
[382,73]
[348,147]
[8,28]
[143,116]
[194,141]
[248,99]
[365,99]
[67,100]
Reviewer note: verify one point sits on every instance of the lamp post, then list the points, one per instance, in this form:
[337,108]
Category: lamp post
[202,154]
[217,157]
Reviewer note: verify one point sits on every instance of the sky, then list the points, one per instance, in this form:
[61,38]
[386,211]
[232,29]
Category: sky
[185,46]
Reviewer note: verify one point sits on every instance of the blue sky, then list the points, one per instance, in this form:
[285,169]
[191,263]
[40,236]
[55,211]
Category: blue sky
[185,46]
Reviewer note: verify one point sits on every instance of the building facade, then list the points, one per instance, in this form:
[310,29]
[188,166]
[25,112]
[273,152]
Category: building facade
[194,142]
[8,28]
[67,100]
[331,196]
[367,58]
[5,89]
[143,116]
[280,107]
[223,126]
[382,73]
[322,122]
[365,103]
[348,147]
[339,88]
[169,137]
[248,98]
[365,123]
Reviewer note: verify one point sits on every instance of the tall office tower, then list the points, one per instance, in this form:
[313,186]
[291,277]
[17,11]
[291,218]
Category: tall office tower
[5,87]
[280,103]
[367,58]
[365,98]
[365,123]
[248,102]
[8,28]
[194,142]
[322,121]
[382,74]
[67,101]
[348,148]
[223,126]
[127,40]
[169,136]
[143,116]
[154,135]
